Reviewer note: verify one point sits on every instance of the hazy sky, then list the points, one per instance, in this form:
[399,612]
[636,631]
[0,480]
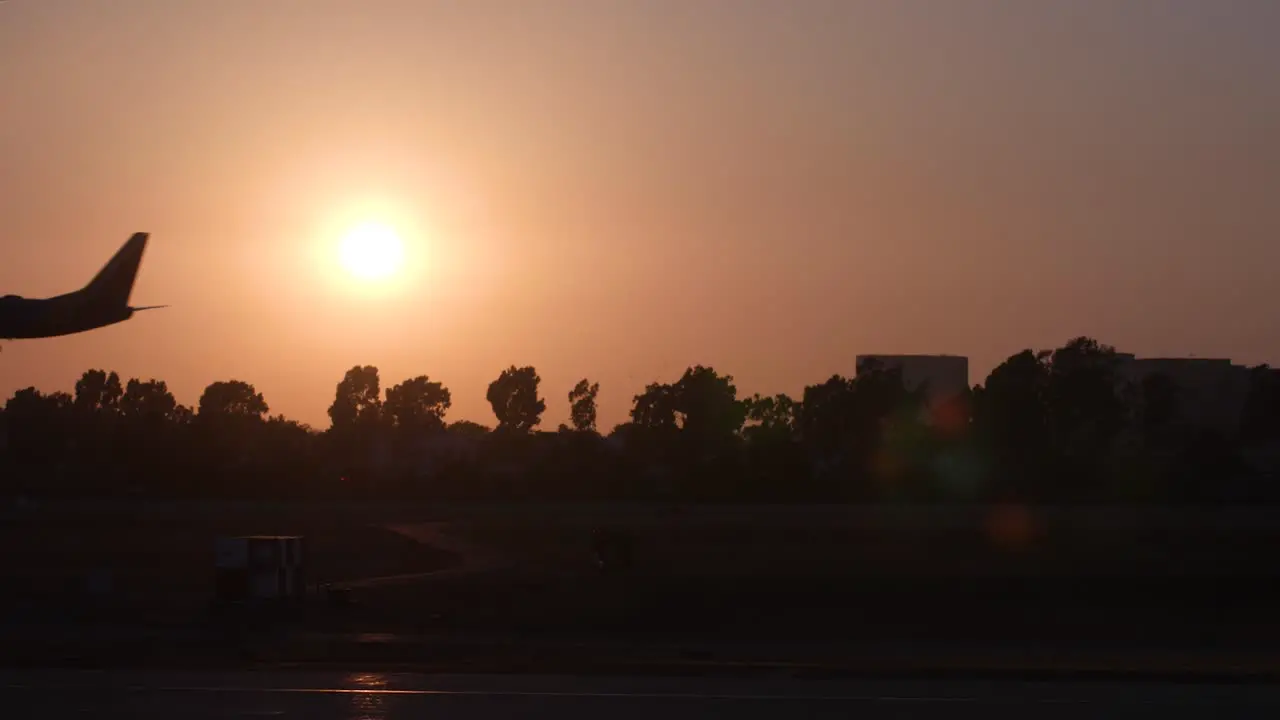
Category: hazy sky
[619,189]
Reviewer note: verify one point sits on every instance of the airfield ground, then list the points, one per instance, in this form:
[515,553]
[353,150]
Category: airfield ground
[1164,581]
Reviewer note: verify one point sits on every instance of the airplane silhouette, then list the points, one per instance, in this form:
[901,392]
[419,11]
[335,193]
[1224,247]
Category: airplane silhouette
[104,301]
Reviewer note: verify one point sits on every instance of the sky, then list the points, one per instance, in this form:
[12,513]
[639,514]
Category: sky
[617,190]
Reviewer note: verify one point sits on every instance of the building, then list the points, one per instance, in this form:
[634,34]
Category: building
[944,375]
[1211,391]
[945,378]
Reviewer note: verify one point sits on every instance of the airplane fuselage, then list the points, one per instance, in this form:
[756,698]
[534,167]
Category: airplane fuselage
[26,318]
[104,301]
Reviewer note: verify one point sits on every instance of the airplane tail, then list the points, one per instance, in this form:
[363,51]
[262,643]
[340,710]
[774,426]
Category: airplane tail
[114,282]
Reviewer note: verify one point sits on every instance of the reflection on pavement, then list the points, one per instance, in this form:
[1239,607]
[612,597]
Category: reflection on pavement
[370,705]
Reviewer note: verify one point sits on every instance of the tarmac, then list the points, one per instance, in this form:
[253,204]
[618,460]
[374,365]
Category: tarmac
[372,695]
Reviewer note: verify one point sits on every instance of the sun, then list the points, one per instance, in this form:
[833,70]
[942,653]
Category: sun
[371,251]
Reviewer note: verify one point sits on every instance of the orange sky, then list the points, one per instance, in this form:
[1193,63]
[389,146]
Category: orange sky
[617,189]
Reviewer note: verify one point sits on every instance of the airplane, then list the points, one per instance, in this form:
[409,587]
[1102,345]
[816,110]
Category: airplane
[104,301]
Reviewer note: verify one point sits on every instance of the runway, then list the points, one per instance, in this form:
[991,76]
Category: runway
[370,696]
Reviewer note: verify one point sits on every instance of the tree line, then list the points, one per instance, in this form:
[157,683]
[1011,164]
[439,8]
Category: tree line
[1060,426]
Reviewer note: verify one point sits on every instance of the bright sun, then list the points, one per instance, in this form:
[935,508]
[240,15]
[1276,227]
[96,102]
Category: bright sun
[371,251]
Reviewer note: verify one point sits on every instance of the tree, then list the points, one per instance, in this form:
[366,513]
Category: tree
[183,415]
[775,465]
[37,423]
[466,428]
[1053,416]
[357,399]
[1043,427]
[863,428]
[514,398]
[97,405]
[30,404]
[707,404]
[825,416]
[1159,395]
[417,404]
[1085,408]
[702,404]
[1260,417]
[1011,412]
[232,399]
[770,415]
[230,436]
[582,405]
[286,439]
[283,425]
[98,391]
[655,407]
[148,401]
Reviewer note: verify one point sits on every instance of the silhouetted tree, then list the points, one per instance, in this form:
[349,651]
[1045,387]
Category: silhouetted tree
[1011,415]
[514,399]
[98,391]
[357,400]
[1053,417]
[844,422]
[183,415]
[684,434]
[1260,418]
[1085,407]
[582,405]
[148,401]
[30,403]
[150,447]
[1208,470]
[1159,404]
[97,409]
[847,414]
[1052,426]
[417,404]
[771,415]
[468,428]
[37,424]
[356,441]
[232,399]
[229,434]
[775,465]
[826,414]
[655,408]
[298,433]
[706,404]
[286,454]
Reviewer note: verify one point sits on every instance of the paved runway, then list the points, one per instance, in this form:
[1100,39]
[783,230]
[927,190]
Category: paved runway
[370,696]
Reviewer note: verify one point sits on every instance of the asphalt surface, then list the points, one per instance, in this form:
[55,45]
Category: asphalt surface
[368,696]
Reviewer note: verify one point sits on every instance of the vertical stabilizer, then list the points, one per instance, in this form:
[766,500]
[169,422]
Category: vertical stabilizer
[114,282]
